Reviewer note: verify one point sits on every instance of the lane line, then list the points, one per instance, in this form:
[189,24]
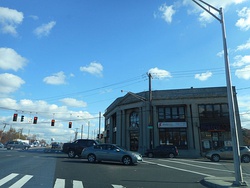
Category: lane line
[7,178]
[174,161]
[21,182]
[180,169]
[202,162]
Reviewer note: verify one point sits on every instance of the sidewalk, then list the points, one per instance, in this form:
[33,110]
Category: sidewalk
[221,182]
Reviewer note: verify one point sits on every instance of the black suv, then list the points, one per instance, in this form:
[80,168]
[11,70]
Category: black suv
[170,151]
[76,147]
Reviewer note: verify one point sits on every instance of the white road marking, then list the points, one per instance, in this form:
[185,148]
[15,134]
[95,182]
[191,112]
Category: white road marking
[202,162]
[59,183]
[21,182]
[77,184]
[180,169]
[194,165]
[7,178]
[117,186]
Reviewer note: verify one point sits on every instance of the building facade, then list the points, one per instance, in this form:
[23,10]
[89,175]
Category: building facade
[195,120]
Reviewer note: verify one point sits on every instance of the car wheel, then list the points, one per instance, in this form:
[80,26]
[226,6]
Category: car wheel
[126,160]
[91,158]
[171,155]
[150,155]
[71,154]
[11,148]
[245,158]
[215,158]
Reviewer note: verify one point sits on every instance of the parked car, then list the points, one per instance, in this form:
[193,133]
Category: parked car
[56,145]
[75,148]
[110,152]
[226,152]
[17,145]
[170,151]
[1,145]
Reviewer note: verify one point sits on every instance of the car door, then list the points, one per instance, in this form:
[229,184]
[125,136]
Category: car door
[227,153]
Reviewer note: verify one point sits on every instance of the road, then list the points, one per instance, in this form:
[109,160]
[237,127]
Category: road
[36,168]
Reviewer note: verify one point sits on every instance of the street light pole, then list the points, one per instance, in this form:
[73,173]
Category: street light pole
[234,131]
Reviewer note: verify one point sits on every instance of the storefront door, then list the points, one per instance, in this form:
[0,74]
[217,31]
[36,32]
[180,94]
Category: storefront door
[134,141]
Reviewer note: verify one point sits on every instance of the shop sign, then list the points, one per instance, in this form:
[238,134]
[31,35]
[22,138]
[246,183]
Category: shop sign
[172,124]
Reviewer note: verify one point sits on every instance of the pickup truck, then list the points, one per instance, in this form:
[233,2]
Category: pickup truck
[75,148]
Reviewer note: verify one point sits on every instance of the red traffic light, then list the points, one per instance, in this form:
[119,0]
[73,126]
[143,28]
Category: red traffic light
[52,122]
[70,124]
[15,117]
[35,120]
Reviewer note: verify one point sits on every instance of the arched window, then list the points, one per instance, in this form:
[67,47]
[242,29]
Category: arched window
[134,119]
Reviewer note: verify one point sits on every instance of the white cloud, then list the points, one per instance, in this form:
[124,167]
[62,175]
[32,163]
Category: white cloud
[10,59]
[55,79]
[9,83]
[73,102]
[244,46]
[205,17]
[241,60]
[9,20]
[45,113]
[244,22]
[44,30]
[243,73]
[93,68]
[203,76]
[167,12]
[159,73]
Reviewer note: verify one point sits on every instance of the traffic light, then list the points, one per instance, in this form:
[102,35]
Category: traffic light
[22,118]
[52,122]
[15,117]
[70,124]
[35,120]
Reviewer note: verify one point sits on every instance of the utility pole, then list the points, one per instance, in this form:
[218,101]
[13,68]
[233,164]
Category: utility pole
[88,129]
[234,130]
[99,139]
[76,132]
[150,121]
[81,131]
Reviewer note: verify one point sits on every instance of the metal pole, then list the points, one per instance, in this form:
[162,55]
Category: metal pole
[233,123]
[230,97]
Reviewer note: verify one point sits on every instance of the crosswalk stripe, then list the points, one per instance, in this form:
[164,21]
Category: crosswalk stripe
[21,182]
[77,184]
[59,183]
[7,178]
[118,186]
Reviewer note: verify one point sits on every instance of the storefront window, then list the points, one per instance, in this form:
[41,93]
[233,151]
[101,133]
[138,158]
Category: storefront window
[174,136]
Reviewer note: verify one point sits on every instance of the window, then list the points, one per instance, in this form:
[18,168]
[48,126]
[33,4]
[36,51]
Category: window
[134,119]
[213,110]
[171,113]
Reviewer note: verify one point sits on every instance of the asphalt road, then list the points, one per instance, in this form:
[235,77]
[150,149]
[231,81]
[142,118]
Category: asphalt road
[36,168]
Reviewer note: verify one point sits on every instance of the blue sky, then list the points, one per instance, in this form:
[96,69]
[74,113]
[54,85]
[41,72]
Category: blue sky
[69,60]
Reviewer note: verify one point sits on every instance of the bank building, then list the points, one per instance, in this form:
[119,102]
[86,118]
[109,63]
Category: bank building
[195,120]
